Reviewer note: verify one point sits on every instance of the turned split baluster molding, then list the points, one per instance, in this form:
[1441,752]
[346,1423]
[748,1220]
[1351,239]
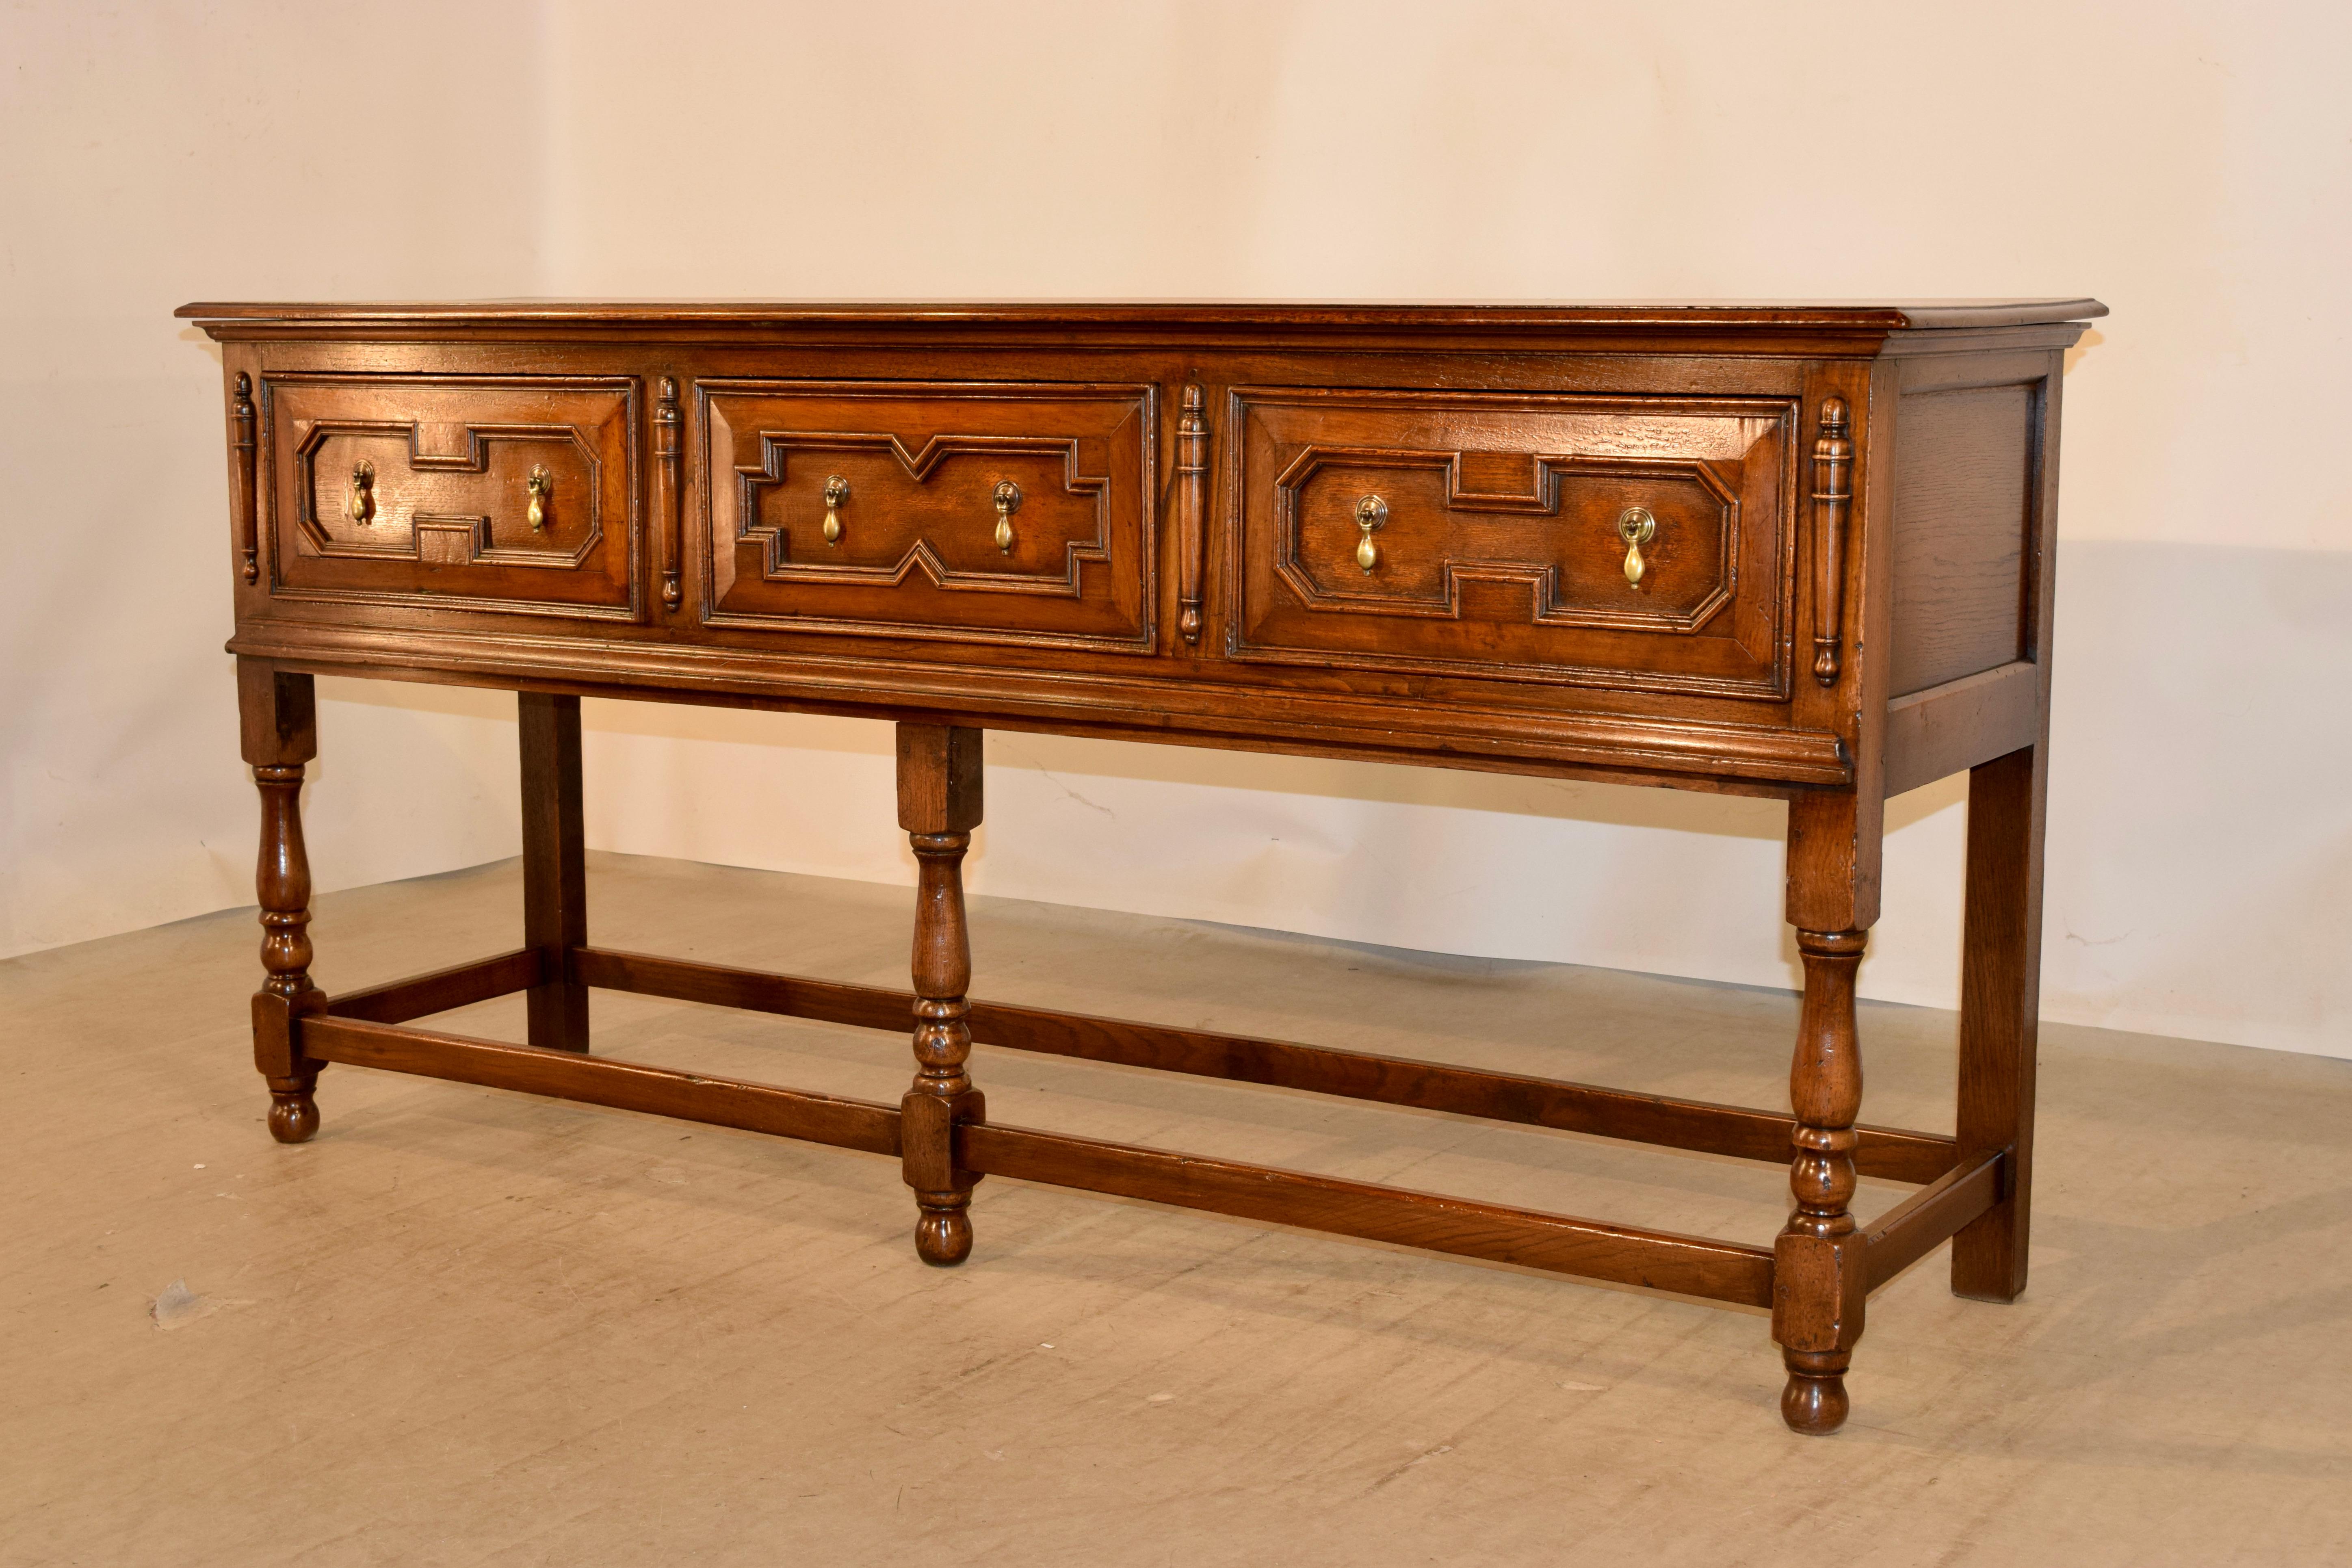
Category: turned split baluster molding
[1192,511]
[1585,543]
[673,492]
[248,526]
[1832,460]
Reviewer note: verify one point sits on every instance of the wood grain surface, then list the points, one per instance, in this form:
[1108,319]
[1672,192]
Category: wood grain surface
[1797,550]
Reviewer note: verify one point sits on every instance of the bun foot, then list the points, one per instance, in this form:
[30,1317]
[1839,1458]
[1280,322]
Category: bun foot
[1814,1402]
[293,1113]
[943,1234]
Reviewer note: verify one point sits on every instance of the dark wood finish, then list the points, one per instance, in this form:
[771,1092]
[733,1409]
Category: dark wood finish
[787,996]
[1665,756]
[1693,1265]
[1930,1216]
[1832,492]
[1885,1152]
[1193,511]
[948,517]
[1817,1310]
[1948,730]
[2000,985]
[1872,320]
[923,550]
[938,805]
[1499,552]
[418,492]
[1963,516]
[278,720]
[669,452]
[2000,972]
[624,1086]
[554,866]
[241,454]
[460,986]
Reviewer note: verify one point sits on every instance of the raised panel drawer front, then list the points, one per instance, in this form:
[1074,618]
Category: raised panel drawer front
[1494,534]
[509,493]
[974,512]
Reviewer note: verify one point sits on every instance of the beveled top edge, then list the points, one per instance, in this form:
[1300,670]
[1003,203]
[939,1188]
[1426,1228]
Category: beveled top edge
[1860,316]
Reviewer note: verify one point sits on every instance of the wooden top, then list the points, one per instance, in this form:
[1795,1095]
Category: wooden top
[1852,316]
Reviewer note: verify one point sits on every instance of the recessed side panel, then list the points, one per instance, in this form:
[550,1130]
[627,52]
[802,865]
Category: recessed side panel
[1964,514]
[1624,543]
[512,494]
[950,511]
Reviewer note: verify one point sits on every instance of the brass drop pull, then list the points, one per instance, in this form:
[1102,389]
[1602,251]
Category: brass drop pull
[541,484]
[836,491]
[1371,513]
[1636,527]
[362,506]
[1008,502]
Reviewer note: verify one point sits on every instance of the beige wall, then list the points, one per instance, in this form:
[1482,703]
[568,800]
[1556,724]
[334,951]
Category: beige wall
[2191,164]
[149,155]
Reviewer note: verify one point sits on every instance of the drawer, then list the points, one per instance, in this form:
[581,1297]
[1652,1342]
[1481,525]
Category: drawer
[421,491]
[964,512]
[1494,544]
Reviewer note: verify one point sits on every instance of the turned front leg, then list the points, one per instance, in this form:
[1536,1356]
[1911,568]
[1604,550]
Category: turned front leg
[1819,1286]
[938,805]
[1818,1276]
[280,735]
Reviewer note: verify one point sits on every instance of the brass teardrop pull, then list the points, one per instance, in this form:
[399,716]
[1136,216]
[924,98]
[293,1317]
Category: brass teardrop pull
[836,491]
[1008,502]
[1636,527]
[1371,515]
[362,504]
[541,484]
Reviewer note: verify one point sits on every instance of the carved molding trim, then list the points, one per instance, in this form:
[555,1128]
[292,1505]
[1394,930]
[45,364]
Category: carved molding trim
[1191,511]
[476,459]
[249,524]
[1544,501]
[1832,489]
[777,567]
[452,541]
[1269,425]
[670,460]
[287,494]
[1311,723]
[1083,592]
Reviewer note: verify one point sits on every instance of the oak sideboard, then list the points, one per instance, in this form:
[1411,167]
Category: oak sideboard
[1794,551]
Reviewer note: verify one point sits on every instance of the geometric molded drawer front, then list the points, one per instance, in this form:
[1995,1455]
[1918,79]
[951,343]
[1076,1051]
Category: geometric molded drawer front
[1495,548]
[990,512]
[513,493]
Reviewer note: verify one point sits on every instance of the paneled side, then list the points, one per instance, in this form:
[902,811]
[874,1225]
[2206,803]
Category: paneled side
[1964,513]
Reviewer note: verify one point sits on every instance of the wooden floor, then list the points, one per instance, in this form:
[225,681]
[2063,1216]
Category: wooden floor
[467,1326]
